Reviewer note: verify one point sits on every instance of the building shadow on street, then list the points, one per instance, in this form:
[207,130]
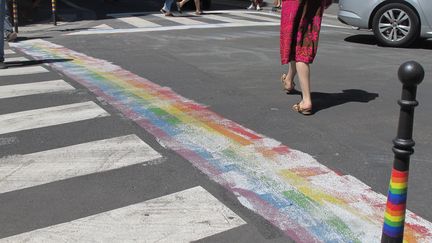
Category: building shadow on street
[371,40]
[34,62]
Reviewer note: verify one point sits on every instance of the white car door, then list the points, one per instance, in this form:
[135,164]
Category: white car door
[427,10]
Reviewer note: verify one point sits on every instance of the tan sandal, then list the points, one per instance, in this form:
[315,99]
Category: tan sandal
[288,91]
[301,110]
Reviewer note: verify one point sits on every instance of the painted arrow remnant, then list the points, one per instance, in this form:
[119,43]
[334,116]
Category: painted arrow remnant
[305,199]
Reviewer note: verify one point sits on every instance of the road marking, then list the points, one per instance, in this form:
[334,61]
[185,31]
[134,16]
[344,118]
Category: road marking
[8,52]
[184,216]
[22,71]
[16,59]
[24,171]
[180,20]
[305,199]
[103,27]
[138,22]
[51,116]
[16,90]
[226,19]
[255,16]
[178,27]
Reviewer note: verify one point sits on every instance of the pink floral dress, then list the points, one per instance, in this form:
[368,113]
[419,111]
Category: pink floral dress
[300,28]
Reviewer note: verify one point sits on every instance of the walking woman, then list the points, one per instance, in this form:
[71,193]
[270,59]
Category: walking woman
[299,35]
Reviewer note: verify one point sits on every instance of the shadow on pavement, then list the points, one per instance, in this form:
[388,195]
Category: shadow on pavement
[371,40]
[34,62]
[323,101]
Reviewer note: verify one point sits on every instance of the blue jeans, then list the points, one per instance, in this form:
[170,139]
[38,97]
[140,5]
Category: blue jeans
[168,4]
[7,23]
[2,18]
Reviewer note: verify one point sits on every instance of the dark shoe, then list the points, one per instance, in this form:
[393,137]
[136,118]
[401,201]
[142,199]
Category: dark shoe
[2,65]
[166,13]
[11,37]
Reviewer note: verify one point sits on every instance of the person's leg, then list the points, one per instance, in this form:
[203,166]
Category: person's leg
[303,71]
[2,17]
[167,6]
[288,79]
[198,7]
[182,3]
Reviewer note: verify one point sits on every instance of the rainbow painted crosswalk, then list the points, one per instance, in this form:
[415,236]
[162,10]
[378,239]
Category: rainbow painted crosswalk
[305,199]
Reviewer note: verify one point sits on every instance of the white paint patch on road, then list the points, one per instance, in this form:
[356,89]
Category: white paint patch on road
[23,171]
[51,116]
[139,22]
[184,216]
[9,91]
[22,71]
[16,59]
[8,52]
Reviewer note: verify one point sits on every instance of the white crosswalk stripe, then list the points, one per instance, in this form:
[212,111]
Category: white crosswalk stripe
[180,20]
[51,116]
[146,22]
[22,71]
[8,52]
[9,91]
[226,19]
[184,216]
[15,59]
[138,22]
[22,171]
[257,17]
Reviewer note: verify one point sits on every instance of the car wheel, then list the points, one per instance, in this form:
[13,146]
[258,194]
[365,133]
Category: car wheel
[396,25]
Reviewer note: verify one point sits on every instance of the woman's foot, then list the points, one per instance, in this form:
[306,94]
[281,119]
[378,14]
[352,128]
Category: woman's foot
[251,7]
[288,85]
[302,108]
[198,12]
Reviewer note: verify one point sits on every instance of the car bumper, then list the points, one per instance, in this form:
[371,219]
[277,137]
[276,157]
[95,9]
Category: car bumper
[351,18]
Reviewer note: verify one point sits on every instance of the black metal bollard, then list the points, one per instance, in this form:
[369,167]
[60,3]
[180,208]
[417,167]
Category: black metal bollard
[54,11]
[410,74]
[15,15]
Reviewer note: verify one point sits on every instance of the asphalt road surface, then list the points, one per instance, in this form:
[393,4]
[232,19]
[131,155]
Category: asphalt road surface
[138,127]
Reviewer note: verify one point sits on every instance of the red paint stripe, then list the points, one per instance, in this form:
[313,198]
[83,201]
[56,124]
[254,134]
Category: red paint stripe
[394,207]
[281,150]
[399,174]
[395,213]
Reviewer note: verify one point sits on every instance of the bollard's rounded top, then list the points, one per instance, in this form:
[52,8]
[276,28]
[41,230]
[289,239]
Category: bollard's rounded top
[411,73]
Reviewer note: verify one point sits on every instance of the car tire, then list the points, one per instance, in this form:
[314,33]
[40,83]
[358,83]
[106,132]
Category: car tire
[396,25]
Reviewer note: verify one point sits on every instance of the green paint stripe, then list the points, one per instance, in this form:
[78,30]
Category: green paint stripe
[333,221]
[393,224]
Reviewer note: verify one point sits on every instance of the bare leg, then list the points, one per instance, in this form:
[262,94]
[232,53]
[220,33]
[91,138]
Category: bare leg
[183,2]
[198,6]
[289,78]
[303,70]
